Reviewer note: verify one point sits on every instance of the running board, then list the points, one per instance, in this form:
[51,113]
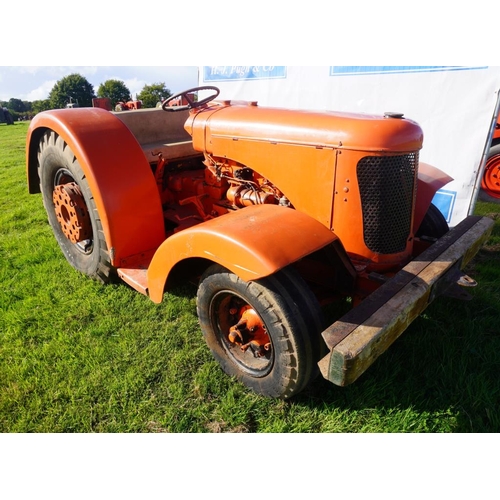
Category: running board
[136,278]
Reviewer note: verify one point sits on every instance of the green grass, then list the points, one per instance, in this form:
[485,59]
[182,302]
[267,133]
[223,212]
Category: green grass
[77,356]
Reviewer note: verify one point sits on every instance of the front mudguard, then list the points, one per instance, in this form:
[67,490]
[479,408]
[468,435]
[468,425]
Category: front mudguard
[430,180]
[253,243]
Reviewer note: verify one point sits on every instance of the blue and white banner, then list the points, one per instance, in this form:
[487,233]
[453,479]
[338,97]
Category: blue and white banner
[232,73]
[374,70]
[454,105]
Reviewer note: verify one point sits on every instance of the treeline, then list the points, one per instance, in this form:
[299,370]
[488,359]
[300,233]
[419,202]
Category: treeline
[75,90]
[20,110]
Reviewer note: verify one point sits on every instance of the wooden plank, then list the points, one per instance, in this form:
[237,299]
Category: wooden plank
[345,326]
[369,338]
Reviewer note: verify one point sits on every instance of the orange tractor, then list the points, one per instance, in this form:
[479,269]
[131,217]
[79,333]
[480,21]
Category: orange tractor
[274,213]
[105,103]
[127,106]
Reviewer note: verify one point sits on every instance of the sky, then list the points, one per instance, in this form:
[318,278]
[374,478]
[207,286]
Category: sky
[32,83]
[50,47]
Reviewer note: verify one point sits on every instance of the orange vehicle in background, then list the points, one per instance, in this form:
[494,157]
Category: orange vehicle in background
[105,103]
[273,212]
[490,182]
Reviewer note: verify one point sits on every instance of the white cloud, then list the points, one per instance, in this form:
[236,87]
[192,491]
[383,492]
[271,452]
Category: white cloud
[134,85]
[41,92]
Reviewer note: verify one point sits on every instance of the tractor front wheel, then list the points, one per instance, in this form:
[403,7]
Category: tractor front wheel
[434,225]
[261,332]
[71,209]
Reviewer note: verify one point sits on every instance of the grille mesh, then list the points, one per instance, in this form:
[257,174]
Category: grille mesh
[387,187]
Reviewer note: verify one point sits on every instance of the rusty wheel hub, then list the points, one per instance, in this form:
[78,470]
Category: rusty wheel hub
[249,332]
[72,212]
[242,334]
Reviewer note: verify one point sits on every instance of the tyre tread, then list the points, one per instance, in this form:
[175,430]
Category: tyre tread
[57,150]
[282,298]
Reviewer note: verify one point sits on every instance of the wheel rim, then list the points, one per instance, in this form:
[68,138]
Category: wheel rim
[242,333]
[491,178]
[71,212]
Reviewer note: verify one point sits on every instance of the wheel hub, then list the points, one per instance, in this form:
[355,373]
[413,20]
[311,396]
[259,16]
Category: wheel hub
[71,212]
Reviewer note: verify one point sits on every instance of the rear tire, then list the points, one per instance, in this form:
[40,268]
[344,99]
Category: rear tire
[286,366]
[84,247]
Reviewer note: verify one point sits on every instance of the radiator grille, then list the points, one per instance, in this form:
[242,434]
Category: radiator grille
[387,187]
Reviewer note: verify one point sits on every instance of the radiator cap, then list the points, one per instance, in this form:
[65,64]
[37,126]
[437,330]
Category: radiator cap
[392,114]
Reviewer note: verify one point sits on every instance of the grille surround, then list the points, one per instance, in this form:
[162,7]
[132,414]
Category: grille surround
[387,186]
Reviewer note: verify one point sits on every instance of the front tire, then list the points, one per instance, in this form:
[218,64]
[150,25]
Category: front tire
[434,225]
[71,209]
[259,331]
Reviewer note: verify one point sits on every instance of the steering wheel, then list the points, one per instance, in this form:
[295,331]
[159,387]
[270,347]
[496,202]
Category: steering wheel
[191,103]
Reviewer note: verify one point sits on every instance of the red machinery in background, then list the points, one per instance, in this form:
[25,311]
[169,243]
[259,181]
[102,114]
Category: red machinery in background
[490,183]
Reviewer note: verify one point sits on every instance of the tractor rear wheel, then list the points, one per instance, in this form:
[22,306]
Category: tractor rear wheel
[71,209]
[265,332]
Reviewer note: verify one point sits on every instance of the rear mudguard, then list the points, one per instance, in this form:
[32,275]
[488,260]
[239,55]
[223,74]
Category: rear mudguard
[253,242]
[117,171]
[430,180]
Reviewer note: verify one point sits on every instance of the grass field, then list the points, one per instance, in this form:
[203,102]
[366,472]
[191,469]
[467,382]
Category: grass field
[77,356]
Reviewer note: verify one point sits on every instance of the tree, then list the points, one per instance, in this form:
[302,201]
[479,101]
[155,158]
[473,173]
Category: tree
[115,90]
[152,94]
[38,106]
[72,88]
[16,105]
